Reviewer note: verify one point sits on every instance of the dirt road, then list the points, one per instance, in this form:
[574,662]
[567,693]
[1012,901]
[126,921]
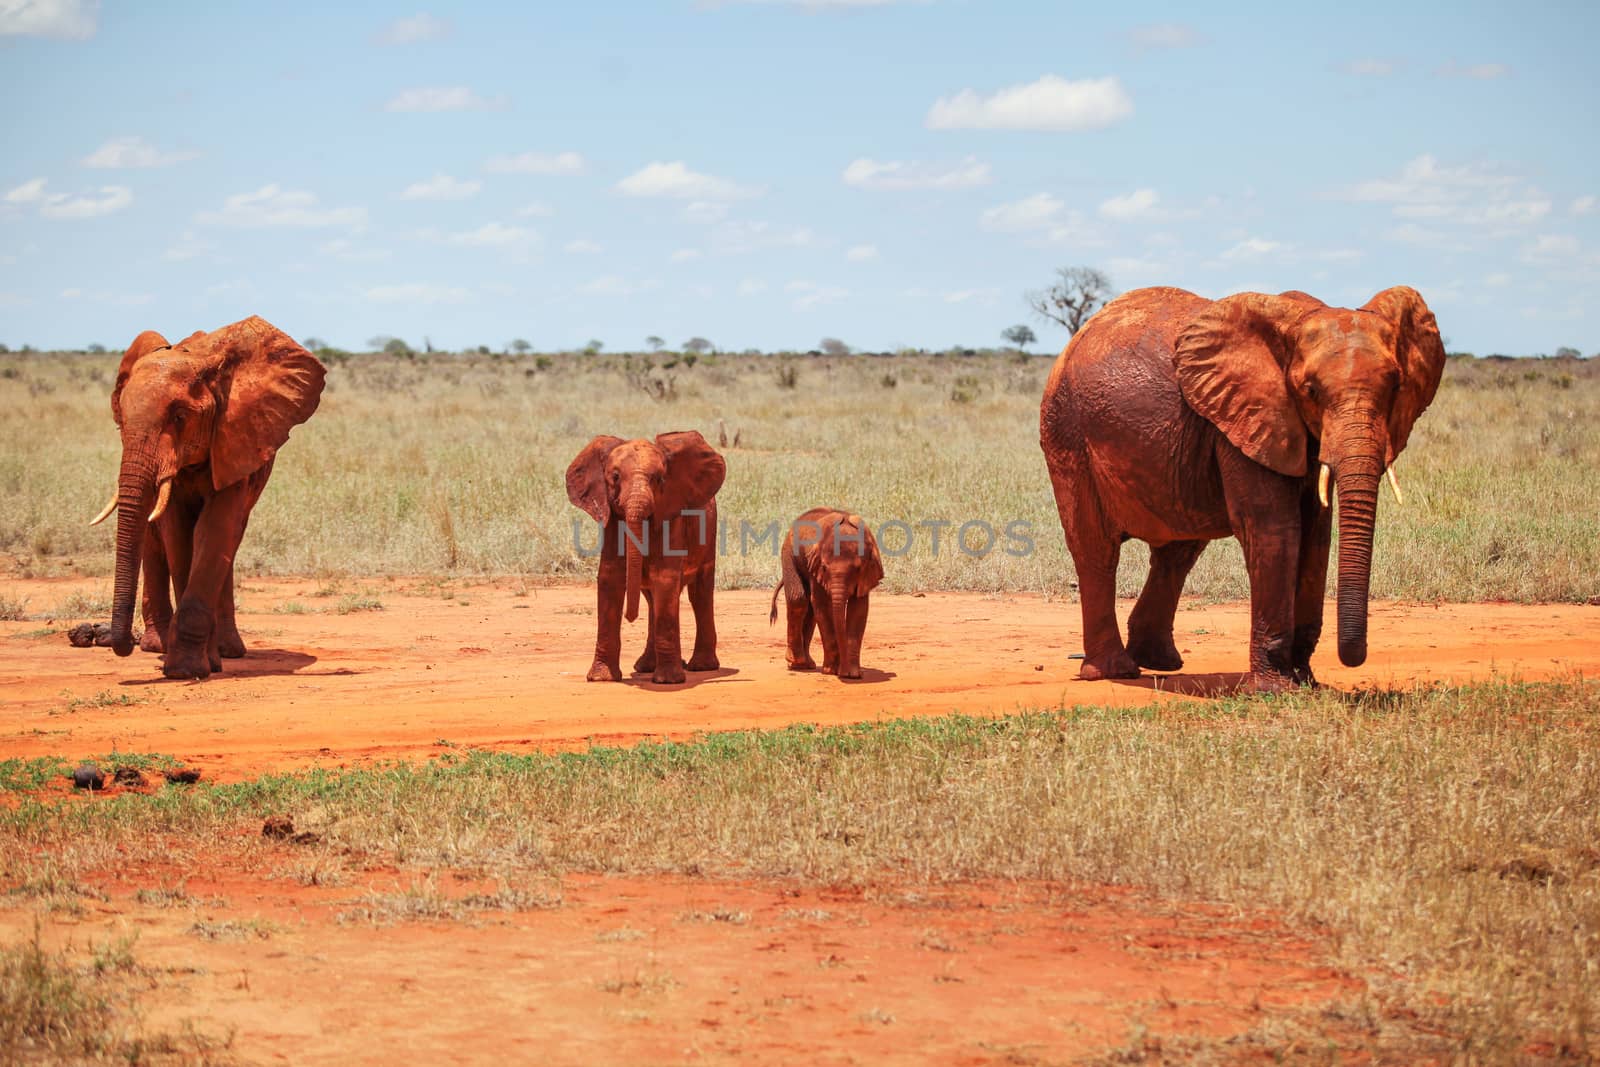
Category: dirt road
[492,666]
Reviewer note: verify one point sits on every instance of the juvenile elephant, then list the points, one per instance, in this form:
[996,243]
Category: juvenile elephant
[1179,420]
[830,566]
[201,423]
[656,501]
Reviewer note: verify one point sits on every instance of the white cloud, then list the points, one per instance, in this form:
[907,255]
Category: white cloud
[705,212]
[112,198]
[1165,35]
[583,247]
[413,30]
[808,295]
[1370,68]
[1410,233]
[536,210]
[1139,204]
[132,152]
[448,98]
[441,187]
[417,293]
[273,205]
[342,248]
[1475,71]
[675,179]
[1051,103]
[27,193]
[685,255]
[740,236]
[536,163]
[752,287]
[1550,247]
[492,234]
[1468,194]
[1253,248]
[1584,205]
[872,174]
[861,253]
[64,19]
[1027,214]
[617,285]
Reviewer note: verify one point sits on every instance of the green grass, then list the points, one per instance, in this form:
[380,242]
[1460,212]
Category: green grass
[455,465]
[1444,838]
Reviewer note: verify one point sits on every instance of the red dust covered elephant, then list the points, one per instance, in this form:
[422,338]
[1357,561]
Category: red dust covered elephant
[1179,420]
[201,423]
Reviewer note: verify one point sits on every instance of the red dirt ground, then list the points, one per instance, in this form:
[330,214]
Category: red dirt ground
[641,970]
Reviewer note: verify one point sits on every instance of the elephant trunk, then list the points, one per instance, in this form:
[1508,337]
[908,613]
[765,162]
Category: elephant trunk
[136,488]
[841,635]
[1357,479]
[635,515]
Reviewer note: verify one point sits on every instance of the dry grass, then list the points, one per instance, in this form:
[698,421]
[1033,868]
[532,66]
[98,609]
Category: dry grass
[1444,837]
[455,465]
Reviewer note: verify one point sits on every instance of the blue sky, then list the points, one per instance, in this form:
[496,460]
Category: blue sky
[766,173]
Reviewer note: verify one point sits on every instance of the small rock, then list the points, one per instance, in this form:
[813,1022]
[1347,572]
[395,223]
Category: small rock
[1038,666]
[127,776]
[277,826]
[88,776]
[182,775]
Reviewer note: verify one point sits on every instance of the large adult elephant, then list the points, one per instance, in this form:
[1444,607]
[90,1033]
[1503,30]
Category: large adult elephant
[1179,420]
[201,422]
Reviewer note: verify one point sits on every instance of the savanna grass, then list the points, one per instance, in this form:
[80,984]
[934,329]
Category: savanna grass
[1444,837]
[455,464]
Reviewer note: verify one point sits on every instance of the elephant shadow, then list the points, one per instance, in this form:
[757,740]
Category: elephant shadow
[691,679]
[1218,684]
[869,676]
[257,663]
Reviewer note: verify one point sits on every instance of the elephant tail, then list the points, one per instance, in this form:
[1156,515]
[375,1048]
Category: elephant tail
[773,616]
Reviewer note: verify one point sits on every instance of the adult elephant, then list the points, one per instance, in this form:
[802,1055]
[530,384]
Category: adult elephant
[201,423]
[1179,420]
[657,503]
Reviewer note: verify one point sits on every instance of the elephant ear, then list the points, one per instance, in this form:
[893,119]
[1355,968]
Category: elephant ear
[1420,352]
[270,385]
[695,470]
[586,477]
[146,343]
[871,562]
[1232,362]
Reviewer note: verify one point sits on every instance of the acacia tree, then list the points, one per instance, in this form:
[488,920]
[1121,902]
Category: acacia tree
[656,343]
[698,345]
[1020,336]
[521,347]
[832,346]
[1078,292]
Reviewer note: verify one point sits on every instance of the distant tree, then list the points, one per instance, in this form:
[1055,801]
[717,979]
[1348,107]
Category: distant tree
[698,345]
[1567,352]
[1078,292]
[314,344]
[483,350]
[396,347]
[1019,335]
[427,343]
[4,349]
[593,347]
[656,343]
[832,346]
[96,350]
[521,347]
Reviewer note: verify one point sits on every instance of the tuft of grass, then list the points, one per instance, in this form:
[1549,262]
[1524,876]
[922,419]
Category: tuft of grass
[424,902]
[46,1003]
[291,607]
[234,929]
[103,699]
[13,608]
[351,604]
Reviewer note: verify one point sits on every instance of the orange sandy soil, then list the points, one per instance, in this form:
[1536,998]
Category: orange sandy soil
[480,666]
[641,969]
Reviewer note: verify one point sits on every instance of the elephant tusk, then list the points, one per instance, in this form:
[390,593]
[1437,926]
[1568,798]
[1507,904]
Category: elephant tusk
[105,512]
[161,500]
[1395,485]
[1322,484]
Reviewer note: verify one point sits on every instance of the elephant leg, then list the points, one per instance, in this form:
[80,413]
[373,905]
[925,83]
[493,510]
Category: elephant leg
[156,604]
[1095,551]
[802,621]
[702,598]
[1268,528]
[646,663]
[610,585]
[1316,525]
[822,610]
[850,646]
[229,644]
[177,545]
[193,651]
[666,585]
[1150,624]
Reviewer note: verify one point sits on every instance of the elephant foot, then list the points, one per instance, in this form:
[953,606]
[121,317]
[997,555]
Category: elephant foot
[231,646]
[707,662]
[807,664]
[645,664]
[850,672]
[669,677]
[604,672]
[151,641]
[1156,653]
[193,666]
[1268,682]
[1116,665]
[1301,674]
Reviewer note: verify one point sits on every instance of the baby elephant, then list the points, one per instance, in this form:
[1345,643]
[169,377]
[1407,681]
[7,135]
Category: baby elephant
[830,565]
